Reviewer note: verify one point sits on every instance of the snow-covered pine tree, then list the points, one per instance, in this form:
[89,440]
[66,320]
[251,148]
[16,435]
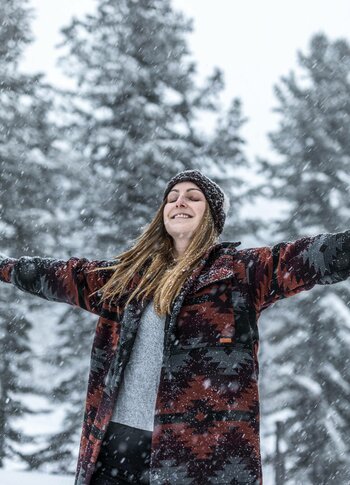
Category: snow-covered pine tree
[226,164]
[137,110]
[305,358]
[25,222]
[134,123]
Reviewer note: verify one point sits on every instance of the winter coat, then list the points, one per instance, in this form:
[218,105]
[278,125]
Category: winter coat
[206,417]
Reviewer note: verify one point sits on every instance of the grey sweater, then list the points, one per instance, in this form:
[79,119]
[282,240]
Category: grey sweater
[137,395]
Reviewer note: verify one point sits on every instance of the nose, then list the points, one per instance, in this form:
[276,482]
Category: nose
[180,201]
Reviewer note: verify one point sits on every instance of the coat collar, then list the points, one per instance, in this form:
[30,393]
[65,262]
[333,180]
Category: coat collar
[216,264]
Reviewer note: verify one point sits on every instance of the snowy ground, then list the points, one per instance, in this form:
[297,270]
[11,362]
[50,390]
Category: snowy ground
[15,478]
[33,478]
[10,477]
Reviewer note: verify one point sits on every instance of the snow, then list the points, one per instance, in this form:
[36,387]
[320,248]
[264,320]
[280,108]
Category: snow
[337,438]
[335,375]
[311,386]
[335,305]
[33,478]
[329,383]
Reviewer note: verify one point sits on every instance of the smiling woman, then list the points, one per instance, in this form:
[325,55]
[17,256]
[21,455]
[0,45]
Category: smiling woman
[173,387]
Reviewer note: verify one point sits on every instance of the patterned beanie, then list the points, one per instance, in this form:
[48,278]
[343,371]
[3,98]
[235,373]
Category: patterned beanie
[216,197]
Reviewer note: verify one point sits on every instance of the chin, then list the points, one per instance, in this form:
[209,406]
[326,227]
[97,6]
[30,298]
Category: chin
[185,235]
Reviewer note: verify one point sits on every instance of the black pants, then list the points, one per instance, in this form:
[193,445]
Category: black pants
[124,456]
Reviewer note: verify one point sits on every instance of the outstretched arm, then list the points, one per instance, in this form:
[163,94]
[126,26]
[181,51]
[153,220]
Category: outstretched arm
[288,268]
[57,280]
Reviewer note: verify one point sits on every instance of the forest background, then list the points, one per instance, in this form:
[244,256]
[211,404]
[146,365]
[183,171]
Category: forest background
[85,155]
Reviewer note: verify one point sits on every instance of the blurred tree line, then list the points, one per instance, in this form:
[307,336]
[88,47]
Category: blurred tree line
[82,172]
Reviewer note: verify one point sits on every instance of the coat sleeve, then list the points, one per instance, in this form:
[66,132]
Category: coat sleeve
[288,268]
[57,280]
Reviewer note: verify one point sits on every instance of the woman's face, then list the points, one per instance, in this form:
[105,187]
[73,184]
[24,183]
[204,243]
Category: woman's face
[184,198]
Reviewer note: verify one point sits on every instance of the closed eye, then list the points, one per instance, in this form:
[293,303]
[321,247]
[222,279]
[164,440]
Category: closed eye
[194,200]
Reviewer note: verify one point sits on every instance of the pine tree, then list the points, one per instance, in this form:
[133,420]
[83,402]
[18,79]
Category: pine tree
[136,111]
[226,163]
[26,211]
[307,348]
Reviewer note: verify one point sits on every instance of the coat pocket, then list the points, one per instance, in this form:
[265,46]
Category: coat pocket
[206,359]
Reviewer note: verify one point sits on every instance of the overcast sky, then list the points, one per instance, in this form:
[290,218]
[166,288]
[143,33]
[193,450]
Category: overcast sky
[254,42]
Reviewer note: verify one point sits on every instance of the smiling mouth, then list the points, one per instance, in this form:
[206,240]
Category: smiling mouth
[181,217]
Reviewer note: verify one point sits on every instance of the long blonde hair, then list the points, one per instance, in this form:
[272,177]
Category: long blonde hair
[162,277]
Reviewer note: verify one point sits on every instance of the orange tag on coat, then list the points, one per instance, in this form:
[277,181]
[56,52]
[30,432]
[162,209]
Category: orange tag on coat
[225,340]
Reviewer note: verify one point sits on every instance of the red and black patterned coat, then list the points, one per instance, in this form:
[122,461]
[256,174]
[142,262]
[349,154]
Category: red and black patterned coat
[206,422]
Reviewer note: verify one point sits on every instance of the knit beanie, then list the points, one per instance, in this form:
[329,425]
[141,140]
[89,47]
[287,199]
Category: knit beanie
[217,199]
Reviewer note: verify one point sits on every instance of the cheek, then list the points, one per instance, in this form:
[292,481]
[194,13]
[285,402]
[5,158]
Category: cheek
[166,211]
[203,210]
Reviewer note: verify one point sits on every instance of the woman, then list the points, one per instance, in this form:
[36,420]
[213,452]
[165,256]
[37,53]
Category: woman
[181,309]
